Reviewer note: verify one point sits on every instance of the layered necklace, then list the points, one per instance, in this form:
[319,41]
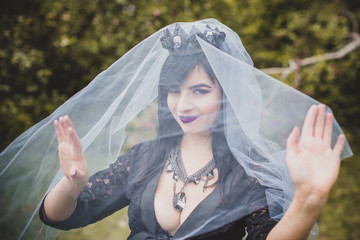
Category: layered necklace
[176,166]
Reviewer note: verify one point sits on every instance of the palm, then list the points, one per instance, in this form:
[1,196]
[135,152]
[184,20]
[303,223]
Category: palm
[71,157]
[312,163]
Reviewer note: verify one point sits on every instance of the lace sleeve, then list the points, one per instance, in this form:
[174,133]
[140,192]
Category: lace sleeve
[259,224]
[104,194]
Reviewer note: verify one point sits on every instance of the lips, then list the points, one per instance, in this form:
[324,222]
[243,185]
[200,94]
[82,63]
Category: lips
[188,119]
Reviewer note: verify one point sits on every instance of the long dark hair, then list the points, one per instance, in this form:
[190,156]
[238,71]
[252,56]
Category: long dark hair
[173,73]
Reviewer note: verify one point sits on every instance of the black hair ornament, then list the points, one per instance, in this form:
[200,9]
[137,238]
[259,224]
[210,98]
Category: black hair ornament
[179,41]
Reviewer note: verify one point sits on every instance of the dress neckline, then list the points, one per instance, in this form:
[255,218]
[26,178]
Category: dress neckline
[195,219]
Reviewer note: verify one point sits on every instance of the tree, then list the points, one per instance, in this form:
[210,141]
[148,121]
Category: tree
[50,50]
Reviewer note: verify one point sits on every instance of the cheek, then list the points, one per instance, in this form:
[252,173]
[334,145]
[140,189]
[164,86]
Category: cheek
[171,103]
[211,105]
[213,110]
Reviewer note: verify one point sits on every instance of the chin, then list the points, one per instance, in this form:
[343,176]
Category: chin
[196,130]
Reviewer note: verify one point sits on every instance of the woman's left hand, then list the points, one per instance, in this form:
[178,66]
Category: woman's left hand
[312,162]
[314,167]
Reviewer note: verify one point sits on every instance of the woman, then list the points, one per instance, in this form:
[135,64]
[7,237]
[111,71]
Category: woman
[217,166]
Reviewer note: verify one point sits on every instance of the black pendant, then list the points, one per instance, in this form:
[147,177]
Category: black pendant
[169,167]
[179,201]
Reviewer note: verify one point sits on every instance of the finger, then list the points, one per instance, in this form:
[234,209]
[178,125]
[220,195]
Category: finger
[72,133]
[328,128]
[293,139]
[75,139]
[61,121]
[66,123]
[339,146]
[319,124]
[63,126]
[308,126]
[59,131]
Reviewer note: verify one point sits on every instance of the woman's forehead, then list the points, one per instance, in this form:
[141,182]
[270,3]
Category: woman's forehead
[197,76]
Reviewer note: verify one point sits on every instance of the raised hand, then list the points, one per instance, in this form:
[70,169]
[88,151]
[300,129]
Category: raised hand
[313,166]
[312,162]
[71,156]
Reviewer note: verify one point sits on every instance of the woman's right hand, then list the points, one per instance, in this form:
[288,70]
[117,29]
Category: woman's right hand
[61,201]
[71,156]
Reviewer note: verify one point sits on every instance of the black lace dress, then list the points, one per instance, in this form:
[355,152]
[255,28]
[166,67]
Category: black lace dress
[113,188]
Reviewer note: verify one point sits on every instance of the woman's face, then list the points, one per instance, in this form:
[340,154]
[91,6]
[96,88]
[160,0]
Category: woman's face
[196,103]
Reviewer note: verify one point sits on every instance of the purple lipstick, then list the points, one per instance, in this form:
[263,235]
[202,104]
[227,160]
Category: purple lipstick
[188,119]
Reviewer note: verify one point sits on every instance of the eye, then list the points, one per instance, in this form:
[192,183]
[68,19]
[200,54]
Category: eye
[201,91]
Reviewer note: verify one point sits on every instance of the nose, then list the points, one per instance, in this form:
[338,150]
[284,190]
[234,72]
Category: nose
[185,103]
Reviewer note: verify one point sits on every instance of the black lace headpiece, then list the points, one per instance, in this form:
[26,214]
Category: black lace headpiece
[181,42]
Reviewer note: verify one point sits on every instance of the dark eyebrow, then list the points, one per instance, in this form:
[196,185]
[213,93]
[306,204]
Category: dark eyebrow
[199,86]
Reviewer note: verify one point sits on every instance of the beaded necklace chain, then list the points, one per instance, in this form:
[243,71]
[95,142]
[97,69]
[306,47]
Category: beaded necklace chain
[176,166]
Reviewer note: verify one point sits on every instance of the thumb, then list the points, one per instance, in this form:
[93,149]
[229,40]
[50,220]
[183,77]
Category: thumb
[292,141]
[73,172]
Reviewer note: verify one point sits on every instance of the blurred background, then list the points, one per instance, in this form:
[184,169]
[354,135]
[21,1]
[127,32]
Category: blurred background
[49,50]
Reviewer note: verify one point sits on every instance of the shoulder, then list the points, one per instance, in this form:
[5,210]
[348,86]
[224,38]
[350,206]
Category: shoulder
[138,150]
[145,146]
[135,158]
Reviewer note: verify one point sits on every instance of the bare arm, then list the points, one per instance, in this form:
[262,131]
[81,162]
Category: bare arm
[61,201]
[313,167]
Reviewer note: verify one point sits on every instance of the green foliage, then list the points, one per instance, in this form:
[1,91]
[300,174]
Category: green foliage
[112,227]
[52,49]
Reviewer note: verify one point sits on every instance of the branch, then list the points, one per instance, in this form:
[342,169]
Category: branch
[294,65]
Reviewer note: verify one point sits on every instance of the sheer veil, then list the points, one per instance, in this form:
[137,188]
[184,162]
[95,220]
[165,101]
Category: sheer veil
[120,106]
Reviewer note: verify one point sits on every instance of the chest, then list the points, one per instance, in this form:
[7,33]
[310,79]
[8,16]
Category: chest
[167,216]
